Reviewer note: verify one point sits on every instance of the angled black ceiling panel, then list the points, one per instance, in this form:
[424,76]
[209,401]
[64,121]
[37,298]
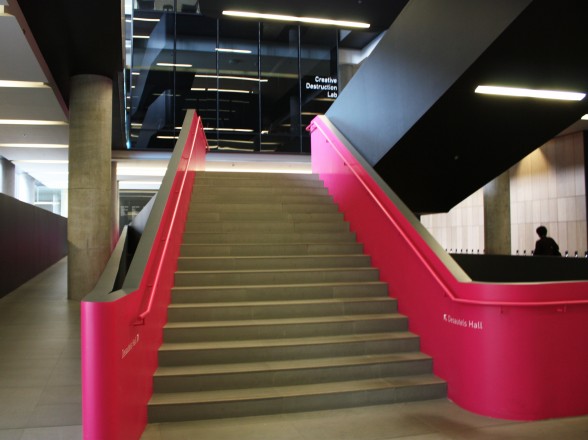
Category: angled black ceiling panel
[466,139]
[411,109]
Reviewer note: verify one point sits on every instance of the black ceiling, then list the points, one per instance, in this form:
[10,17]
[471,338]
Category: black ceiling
[78,36]
[467,138]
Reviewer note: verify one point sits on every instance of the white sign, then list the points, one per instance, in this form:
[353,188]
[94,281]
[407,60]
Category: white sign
[465,323]
[324,84]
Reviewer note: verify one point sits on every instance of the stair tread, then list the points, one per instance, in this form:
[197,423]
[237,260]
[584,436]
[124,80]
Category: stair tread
[252,286]
[282,342]
[220,396]
[250,367]
[273,257]
[279,303]
[282,321]
[312,269]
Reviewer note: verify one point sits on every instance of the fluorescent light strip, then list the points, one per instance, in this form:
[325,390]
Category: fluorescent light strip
[530,93]
[204,89]
[46,161]
[240,78]
[141,36]
[24,84]
[238,130]
[34,145]
[167,137]
[30,122]
[220,49]
[174,65]
[146,19]
[152,172]
[310,20]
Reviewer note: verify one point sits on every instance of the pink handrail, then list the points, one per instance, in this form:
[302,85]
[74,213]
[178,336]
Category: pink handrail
[432,269]
[151,289]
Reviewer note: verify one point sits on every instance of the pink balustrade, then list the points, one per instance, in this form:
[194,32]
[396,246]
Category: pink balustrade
[122,331]
[513,351]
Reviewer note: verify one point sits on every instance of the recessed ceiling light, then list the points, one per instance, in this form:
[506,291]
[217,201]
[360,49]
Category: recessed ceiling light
[174,65]
[530,93]
[238,130]
[239,78]
[137,171]
[24,84]
[145,19]
[585,118]
[220,49]
[30,122]
[202,89]
[310,20]
[41,161]
[34,145]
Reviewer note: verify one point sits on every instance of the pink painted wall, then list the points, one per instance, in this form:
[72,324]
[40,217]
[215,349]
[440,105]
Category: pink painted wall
[121,332]
[513,351]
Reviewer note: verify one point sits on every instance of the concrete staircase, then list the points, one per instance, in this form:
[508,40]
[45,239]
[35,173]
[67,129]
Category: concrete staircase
[276,309]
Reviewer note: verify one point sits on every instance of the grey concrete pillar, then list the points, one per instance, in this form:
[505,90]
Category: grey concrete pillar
[497,216]
[90,186]
[7,169]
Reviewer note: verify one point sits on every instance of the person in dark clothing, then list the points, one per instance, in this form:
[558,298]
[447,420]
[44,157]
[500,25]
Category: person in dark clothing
[545,245]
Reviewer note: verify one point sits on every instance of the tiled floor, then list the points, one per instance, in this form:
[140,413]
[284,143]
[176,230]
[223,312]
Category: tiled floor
[40,383]
[40,391]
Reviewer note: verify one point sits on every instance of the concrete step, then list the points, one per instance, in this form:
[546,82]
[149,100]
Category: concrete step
[273,262]
[273,198]
[277,276]
[243,310]
[244,189]
[270,237]
[284,327]
[285,349]
[268,249]
[255,216]
[173,407]
[266,226]
[288,373]
[272,178]
[262,206]
[219,294]
[275,309]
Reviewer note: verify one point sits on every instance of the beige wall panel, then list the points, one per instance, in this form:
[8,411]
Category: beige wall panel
[547,187]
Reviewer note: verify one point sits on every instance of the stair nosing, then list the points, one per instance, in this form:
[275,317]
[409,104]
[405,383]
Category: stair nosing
[291,391]
[265,303]
[287,365]
[175,325]
[288,285]
[171,347]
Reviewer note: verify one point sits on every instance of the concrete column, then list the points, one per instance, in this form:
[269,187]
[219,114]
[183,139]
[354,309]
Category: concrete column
[7,170]
[497,216]
[90,186]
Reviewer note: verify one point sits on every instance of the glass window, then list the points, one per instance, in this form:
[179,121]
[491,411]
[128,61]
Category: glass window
[255,85]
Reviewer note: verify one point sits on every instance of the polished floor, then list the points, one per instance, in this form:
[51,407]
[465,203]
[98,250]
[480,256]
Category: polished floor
[40,396]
